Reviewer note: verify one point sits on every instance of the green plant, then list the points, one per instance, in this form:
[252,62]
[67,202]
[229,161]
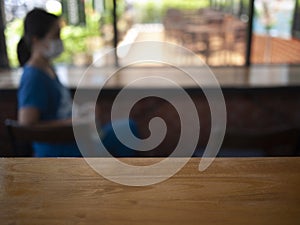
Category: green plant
[74,37]
[13,34]
[154,11]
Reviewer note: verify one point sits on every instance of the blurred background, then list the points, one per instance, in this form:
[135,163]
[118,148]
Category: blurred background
[252,46]
[220,32]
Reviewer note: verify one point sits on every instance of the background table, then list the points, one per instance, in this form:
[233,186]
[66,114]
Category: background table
[230,191]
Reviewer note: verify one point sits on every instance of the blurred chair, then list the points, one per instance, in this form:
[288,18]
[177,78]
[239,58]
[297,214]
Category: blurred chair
[174,24]
[273,142]
[22,136]
[235,40]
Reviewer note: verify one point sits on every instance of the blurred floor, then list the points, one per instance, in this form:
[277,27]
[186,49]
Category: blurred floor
[281,51]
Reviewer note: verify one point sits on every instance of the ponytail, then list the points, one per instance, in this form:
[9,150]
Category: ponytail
[23,51]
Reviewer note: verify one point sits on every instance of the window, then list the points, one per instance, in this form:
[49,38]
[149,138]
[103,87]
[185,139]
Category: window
[273,39]
[215,30]
[87,27]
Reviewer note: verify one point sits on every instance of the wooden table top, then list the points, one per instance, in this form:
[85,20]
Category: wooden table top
[230,191]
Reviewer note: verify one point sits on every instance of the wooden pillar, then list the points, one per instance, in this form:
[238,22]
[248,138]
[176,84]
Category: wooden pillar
[116,36]
[3,53]
[249,33]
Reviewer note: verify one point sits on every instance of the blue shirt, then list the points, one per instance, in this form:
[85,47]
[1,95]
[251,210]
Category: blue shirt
[53,101]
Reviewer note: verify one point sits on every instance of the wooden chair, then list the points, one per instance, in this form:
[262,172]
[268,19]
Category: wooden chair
[274,142]
[21,135]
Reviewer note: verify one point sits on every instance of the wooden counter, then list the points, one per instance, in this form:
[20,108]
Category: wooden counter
[230,191]
[259,76]
[256,98]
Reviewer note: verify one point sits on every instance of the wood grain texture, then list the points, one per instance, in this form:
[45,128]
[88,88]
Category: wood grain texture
[255,76]
[230,191]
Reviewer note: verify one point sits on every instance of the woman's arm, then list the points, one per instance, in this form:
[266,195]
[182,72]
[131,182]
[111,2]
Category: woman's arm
[28,116]
[31,116]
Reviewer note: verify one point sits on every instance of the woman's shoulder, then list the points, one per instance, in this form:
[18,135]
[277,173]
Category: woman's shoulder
[30,69]
[31,72]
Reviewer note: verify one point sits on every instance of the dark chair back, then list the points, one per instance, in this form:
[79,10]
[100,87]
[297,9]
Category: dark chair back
[37,133]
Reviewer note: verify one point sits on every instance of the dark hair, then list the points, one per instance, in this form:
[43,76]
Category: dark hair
[37,24]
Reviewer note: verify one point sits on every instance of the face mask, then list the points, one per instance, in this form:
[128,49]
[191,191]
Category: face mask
[55,48]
